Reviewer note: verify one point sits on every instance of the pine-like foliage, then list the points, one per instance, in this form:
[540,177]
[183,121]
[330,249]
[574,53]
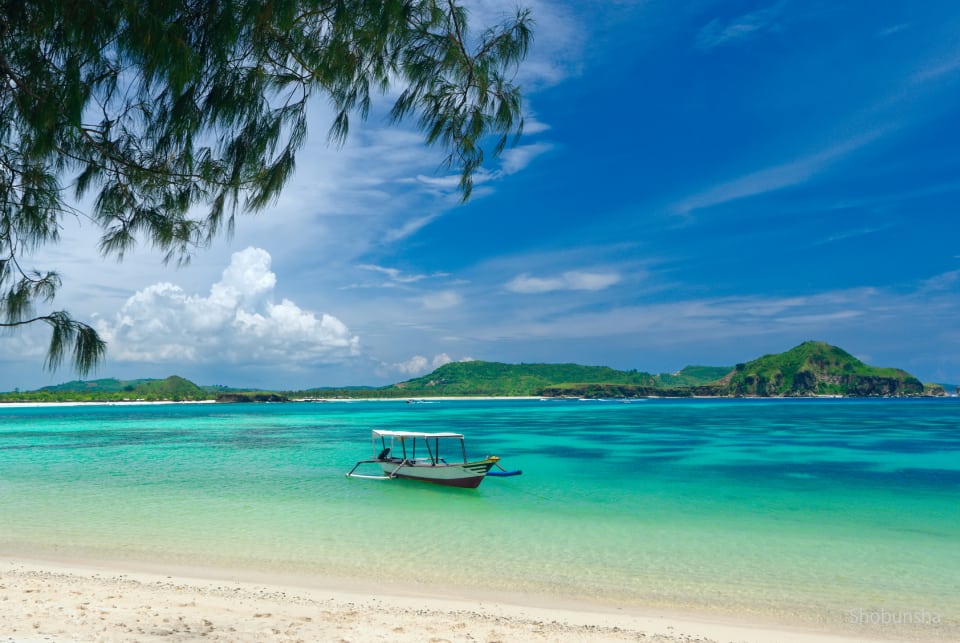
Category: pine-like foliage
[178,114]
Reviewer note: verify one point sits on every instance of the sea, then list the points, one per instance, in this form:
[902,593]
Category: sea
[836,514]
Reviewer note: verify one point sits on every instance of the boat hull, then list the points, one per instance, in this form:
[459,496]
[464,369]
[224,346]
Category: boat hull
[468,475]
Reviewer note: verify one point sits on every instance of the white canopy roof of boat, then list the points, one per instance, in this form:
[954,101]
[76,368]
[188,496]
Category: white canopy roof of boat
[413,434]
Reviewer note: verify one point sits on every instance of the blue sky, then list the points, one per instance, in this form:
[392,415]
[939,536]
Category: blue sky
[699,183]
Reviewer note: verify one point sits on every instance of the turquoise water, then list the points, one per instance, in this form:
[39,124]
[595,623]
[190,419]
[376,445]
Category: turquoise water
[797,510]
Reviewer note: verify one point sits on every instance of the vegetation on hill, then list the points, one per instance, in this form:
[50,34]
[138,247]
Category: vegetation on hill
[497,379]
[812,368]
[242,396]
[341,392]
[173,388]
[816,368]
[109,385]
[693,376]
[934,390]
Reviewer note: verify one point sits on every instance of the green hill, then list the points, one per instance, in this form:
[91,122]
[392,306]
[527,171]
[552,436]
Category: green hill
[173,387]
[693,376]
[816,368]
[497,379]
[109,385]
[113,390]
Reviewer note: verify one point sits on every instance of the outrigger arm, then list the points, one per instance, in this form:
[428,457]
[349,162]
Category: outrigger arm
[389,476]
[503,473]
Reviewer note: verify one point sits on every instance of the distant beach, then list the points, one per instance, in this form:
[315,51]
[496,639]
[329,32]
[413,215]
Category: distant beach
[413,400]
[99,403]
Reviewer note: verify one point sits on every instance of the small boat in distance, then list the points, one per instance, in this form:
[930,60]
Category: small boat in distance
[398,458]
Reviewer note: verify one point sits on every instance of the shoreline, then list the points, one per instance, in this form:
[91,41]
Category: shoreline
[103,403]
[411,400]
[462,398]
[79,601]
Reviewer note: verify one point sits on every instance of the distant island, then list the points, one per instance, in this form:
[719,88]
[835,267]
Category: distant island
[808,370]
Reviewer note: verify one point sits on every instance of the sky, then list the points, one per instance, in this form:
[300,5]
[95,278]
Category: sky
[699,182]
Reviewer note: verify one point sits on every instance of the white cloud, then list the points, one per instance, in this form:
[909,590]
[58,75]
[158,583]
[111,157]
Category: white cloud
[717,33]
[398,276]
[590,280]
[571,280]
[440,300]
[852,234]
[893,29]
[938,69]
[776,177]
[559,38]
[512,160]
[690,321]
[518,158]
[407,229]
[236,323]
[531,125]
[945,281]
[446,182]
[418,364]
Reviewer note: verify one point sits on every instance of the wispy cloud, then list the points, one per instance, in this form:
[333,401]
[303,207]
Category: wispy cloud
[691,321]
[512,160]
[397,276]
[852,234]
[942,282]
[440,300]
[570,280]
[557,50]
[717,33]
[533,125]
[518,158]
[893,29]
[937,69]
[776,177]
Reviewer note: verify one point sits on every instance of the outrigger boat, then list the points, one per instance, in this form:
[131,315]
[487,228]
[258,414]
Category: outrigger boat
[398,458]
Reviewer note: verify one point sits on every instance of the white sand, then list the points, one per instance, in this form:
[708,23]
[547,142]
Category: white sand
[56,602]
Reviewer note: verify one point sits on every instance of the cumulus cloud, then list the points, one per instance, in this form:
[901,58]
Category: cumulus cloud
[237,322]
[571,280]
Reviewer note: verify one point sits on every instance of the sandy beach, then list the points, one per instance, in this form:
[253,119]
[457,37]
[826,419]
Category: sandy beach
[42,601]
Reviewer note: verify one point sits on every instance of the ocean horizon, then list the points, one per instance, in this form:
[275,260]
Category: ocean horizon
[834,513]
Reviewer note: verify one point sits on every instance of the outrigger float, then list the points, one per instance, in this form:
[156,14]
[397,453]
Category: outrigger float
[429,466]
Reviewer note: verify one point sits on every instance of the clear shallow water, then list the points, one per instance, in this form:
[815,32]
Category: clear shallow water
[801,510]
